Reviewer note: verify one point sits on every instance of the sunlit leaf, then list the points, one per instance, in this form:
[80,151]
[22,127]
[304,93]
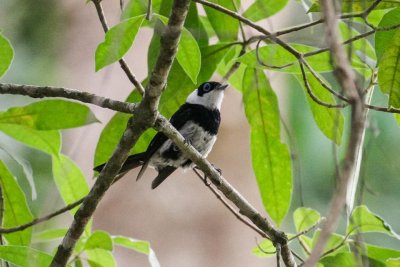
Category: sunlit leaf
[364,221]
[6,54]
[224,25]
[194,24]
[46,141]
[49,115]
[393,262]
[271,159]
[70,181]
[336,243]
[139,246]
[188,55]
[16,209]
[344,259]
[265,249]
[25,256]
[100,258]
[330,121]
[359,5]
[49,234]
[362,45]
[99,239]
[262,9]
[381,253]
[304,218]
[383,39]
[117,41]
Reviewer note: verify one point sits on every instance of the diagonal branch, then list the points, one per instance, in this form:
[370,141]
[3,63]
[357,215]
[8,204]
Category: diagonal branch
[144,118]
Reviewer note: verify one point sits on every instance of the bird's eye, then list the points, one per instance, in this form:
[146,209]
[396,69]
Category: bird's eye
[207,87]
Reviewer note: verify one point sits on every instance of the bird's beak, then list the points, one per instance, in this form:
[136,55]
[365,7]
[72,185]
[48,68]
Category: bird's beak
[222,87]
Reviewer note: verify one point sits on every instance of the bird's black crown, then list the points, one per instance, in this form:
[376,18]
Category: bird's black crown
[208,87]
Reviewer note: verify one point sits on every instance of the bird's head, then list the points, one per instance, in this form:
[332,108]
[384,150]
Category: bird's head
[209,95]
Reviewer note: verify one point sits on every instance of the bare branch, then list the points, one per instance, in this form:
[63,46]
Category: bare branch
[347,79]
[41,219]
[245,208]
[144,118]
[50,91]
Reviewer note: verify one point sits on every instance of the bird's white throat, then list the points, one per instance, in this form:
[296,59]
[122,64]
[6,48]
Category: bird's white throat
[211,100]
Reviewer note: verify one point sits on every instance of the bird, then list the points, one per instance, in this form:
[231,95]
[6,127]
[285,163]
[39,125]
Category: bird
[198,121]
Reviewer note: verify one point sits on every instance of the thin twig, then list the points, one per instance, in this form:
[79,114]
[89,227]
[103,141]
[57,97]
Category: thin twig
[41,219]
[230,208]
[305,231]
[50,91]
[259,60]
[122,62]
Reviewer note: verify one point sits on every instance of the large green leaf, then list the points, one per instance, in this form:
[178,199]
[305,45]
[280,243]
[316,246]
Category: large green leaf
[265,249]
[362,45]
[117,41]
[333,243]
[99,239]
[262,9]
[381,253]
[330,121]
[359,5]
[49,115]
[224,25]
[304,218]
[271,159]
[383,39]
[16,209]
[362,220]
[195,26]
[188,55]
[6,54]
[100,258]
[49,234]
[389,71]
[275,55]
[46,141]
[70,181]
[25,256]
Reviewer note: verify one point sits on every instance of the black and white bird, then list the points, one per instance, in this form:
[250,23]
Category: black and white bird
[197,120]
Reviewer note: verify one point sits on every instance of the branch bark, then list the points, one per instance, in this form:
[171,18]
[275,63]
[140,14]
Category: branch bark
[347,79]
[144,117]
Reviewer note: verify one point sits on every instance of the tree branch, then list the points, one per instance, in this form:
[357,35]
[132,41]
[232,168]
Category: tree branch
[50,91]
[245,208]
[347,79]
[144,118]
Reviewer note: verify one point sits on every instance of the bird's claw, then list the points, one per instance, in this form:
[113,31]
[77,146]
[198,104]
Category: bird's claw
[217,169]
[188,142]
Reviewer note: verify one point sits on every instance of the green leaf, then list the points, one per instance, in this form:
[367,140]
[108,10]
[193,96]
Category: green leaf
[344,259]
[393,262]
[99,239]
[188,55]
[100,258]
[46,141]
[330,121]
[362,220]
[262,9]
[271,159]
[70,181]
[275,55]
[139,7]
[6,54]
[117,41]
[265,249]
[49,115]
[49,234]
[362,45]
[334,242]
[16,209]
[137,245]
[25,256]
[194,24]
[380,253]
[224,25]
[350,6]
[384,39]
[389,71]
[304,218]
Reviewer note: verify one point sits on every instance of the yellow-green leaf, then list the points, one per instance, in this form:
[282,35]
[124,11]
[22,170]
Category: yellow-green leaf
[6,54]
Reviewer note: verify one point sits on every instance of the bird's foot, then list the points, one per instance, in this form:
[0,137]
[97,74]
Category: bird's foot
[188,142]
[217,169]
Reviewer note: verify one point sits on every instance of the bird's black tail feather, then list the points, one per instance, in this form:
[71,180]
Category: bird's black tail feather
[162,175]
[131,162]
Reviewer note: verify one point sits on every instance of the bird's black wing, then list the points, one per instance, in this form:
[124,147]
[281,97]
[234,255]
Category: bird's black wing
[180,117]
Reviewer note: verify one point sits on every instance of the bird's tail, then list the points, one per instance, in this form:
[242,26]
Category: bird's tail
[131,162]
